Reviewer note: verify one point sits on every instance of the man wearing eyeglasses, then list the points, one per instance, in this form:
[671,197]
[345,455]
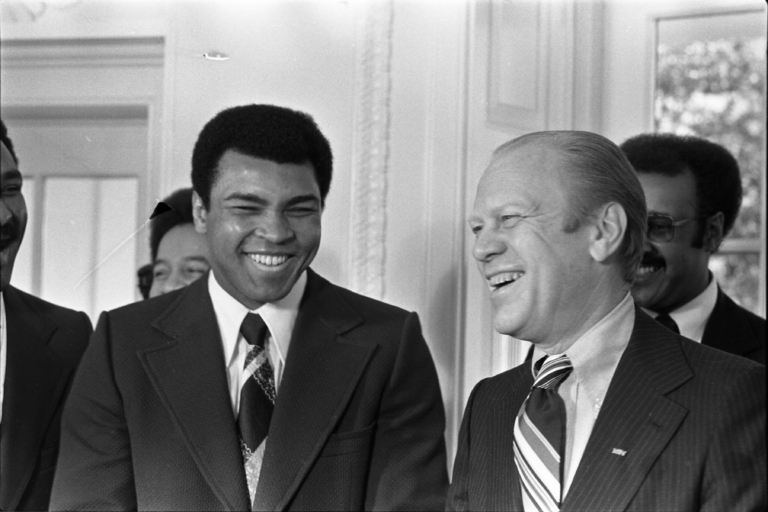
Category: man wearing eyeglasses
[693,193]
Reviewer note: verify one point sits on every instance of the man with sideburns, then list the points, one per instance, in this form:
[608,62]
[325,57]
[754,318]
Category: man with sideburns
[693,192]
[261,385]
[614,411]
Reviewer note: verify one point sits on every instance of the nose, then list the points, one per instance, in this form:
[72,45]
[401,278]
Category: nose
[487,245]
[174,282]
[275,228]
[5,213]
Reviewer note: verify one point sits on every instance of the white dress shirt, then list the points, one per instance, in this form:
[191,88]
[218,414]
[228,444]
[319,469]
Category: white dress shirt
[594,357]
[280,316]
[691,318]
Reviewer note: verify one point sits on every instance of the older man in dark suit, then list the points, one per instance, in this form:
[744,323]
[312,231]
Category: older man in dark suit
[693,192]
[261,385]
[40,346]
[614,412]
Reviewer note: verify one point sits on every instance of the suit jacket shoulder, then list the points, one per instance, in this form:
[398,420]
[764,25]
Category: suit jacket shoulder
[45,344]
[27,311]
[735,329]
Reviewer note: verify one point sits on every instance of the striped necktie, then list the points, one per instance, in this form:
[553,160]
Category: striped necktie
[539,436]
[257,399]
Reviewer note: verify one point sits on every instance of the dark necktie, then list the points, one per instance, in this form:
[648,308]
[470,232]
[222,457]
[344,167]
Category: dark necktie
[667,321]
[257,398]
[539,436]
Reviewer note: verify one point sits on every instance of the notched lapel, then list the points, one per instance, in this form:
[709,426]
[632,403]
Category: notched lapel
[321,373]
[187,370]
[636,422]
[34,375]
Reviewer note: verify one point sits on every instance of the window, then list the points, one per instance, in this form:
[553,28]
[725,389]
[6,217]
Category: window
[710,82]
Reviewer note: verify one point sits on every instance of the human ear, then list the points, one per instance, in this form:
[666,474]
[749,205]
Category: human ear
[713,232]
[199,213]
[607,231]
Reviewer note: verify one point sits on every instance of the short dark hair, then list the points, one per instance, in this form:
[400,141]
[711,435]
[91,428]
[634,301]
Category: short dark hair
[181,213]
[715,170]
[269,132]
[5,139]
[598,173]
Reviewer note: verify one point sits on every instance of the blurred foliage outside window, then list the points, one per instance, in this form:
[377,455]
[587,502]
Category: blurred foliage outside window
[715,89]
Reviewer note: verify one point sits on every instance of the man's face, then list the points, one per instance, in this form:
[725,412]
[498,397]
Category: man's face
[182,258]
[13,215]
[671,273]
[535,271]
[262,225]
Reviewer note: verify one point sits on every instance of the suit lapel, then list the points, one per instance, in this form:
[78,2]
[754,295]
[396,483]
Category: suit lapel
[35,380]
[187,370]
[502,465]
[321,372]
[637,420]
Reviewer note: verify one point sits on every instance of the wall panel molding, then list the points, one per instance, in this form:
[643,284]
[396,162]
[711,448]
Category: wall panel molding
[373,84]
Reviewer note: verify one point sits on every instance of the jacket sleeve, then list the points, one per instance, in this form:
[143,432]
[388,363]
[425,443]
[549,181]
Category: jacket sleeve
[94,469]
[408,465]
[735,471]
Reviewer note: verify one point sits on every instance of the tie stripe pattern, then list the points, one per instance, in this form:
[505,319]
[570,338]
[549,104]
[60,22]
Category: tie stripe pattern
[257,399]
[539,436]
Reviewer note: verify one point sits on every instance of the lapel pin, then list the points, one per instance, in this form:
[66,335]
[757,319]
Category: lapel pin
[619,452]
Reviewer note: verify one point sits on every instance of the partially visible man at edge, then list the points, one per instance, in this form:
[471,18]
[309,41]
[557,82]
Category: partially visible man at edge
[340,406]
[614,412]
[40,347]
[693,193]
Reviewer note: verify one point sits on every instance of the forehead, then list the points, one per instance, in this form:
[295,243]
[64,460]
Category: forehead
[531,173]
[242,173]
[674,195]
[181,241]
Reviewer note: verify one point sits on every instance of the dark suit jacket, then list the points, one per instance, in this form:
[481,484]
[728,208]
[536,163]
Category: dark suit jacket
[45,343]
[735,330]
[691,420]
[358,421]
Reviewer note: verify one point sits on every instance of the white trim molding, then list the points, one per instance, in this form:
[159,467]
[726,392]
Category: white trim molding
[373,96]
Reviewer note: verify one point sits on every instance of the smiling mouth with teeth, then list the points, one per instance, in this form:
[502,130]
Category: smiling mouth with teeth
[503,279]
[268,259]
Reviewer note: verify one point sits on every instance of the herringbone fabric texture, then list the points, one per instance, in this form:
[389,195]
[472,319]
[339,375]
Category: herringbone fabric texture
[539,436]
[257,399]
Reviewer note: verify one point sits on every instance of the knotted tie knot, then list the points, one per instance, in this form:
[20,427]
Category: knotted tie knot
[551,371]
[254,330]
[668,322]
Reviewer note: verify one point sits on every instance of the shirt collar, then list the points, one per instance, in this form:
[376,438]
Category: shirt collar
[602,346]
[280,316]
[691,318]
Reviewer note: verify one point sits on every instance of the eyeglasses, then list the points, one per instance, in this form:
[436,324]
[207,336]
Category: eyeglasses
[661,228]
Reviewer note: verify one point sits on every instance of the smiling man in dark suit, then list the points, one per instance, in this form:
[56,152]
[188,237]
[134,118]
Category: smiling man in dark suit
[40,346]
[693,192]
[261,385]
[614,412]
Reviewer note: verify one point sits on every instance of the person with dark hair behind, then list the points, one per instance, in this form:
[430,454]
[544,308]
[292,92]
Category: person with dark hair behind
[179,253]
[40,347]
[261,386]
[693,192]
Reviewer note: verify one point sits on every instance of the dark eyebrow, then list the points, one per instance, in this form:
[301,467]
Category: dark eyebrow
[303,199]
[243,196]
[12,174]
[254,198]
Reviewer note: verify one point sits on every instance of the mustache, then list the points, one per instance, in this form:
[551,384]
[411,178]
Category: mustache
[653,258]
[9,233]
